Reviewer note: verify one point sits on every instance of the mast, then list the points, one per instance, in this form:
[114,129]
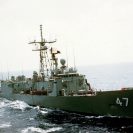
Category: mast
[42,43]
[43,53]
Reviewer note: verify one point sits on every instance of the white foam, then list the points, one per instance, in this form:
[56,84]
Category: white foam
[14,104]
[53,129]
[41,110]
[39,130]
[5,125]
[4,103]
[19,105]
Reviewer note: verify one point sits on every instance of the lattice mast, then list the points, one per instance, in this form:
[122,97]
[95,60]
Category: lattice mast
[43,53]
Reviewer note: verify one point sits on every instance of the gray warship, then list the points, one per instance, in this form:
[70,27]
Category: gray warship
[57,86]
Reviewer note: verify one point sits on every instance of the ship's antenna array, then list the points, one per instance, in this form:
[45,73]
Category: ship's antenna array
[67,56]
[74,59]
[43,53]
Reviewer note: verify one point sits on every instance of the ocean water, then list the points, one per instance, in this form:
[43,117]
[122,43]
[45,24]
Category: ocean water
[109,77]
[19,117]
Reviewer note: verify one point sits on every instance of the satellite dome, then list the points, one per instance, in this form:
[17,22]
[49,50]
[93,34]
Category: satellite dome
[62,61]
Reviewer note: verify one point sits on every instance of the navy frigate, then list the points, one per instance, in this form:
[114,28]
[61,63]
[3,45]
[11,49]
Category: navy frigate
[57,86]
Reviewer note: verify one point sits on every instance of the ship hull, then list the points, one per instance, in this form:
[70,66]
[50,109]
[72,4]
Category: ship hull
[109,103]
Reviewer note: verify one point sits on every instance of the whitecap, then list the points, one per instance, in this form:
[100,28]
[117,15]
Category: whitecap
[19,105]
[4,103]
[39,130]
[41,110]
[53,129]
[32,129]
[5,125]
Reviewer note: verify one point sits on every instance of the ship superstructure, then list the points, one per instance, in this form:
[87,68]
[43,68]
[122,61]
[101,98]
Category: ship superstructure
[51,80]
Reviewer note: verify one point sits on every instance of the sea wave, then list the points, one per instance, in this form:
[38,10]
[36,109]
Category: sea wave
[4,102]
[43,120]
[39,130]
[18,105]
[41,110]
[5,125]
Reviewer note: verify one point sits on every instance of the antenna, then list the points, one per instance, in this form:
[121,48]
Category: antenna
[41,33]
[66,58]
[1,74]
[42,43]
[7,72]
[8,75]
[74,59]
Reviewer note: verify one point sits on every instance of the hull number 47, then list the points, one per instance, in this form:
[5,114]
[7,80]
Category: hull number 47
[122,101]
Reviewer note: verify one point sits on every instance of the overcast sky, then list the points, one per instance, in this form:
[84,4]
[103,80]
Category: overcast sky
[99,31]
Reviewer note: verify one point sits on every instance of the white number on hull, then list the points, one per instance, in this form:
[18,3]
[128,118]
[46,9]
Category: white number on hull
[122,102]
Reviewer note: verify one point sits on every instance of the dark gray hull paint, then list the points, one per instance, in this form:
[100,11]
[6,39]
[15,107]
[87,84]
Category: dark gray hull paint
[114,103]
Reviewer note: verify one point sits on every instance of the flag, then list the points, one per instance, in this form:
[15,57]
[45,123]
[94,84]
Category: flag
[54,51]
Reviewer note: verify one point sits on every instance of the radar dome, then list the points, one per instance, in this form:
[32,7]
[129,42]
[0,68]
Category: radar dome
[62,61]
